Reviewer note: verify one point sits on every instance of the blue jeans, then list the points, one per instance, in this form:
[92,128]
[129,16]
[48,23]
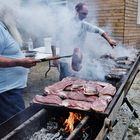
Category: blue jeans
[64,70]
[11,102]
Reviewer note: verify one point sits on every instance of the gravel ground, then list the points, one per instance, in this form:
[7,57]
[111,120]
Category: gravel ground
[37,82]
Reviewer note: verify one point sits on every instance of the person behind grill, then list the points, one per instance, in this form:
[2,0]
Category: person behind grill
[13,67]
[74,36]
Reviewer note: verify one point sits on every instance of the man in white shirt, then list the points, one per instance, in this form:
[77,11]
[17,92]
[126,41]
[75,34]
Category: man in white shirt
[74,36]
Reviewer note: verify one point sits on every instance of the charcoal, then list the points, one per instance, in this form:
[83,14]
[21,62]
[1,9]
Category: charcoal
[85,136]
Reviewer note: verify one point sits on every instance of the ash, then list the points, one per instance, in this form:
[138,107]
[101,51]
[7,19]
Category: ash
[53,132]
[43,134]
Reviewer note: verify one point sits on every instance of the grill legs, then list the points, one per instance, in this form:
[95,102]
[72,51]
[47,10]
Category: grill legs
[130,107]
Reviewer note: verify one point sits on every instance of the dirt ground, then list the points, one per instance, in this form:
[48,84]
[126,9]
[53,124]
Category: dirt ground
[37,82]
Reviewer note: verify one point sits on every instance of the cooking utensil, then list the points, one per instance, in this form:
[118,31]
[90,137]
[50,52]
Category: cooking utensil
[53,58]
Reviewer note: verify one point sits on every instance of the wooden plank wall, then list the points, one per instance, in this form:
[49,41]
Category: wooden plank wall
[120,15]
[132,30]
[108,14]
[111,13]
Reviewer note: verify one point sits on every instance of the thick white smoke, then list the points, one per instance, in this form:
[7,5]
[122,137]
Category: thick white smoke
[42,18]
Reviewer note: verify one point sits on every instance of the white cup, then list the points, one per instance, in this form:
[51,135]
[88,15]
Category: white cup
[47,44]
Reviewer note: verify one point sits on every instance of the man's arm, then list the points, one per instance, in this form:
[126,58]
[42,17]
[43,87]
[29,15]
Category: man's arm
[53,50]
[55,62]
[12,62]
[94,29]
[109,39]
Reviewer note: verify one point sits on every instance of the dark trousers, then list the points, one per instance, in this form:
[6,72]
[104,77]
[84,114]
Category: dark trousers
[11,102]
[64,70]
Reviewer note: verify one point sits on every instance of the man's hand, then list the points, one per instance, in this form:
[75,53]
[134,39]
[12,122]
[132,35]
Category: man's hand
[26,62]
[12,62]
[55,62]
[112,43]
[110,40]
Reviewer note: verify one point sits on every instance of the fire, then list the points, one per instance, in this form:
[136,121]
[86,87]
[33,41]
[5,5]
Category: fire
[69,123]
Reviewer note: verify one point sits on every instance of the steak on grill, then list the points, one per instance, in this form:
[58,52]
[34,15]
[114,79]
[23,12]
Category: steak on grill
[108,98]
[65,83]
[79,94]
[90,89]
[108,90]
[99,105]
[82,105]
[91,98]
[76,96]
[124,62]
[50,99]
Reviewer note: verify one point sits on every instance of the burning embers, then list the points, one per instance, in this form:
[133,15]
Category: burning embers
[79,94]
[60,128]
[73,118]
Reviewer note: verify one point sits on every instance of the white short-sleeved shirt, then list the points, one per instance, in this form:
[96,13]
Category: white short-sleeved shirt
[13,77]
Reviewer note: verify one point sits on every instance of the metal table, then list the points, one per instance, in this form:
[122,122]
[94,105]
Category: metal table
[41,54]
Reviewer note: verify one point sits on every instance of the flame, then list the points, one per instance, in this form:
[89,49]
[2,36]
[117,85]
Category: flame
[73,117]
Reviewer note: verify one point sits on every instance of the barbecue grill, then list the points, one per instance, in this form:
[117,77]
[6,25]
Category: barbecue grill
[35,117]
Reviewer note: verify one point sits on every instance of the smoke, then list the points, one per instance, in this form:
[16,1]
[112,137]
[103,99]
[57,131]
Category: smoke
[45,18]
[36,17]
[122,50]
[92,70]
[36,20]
